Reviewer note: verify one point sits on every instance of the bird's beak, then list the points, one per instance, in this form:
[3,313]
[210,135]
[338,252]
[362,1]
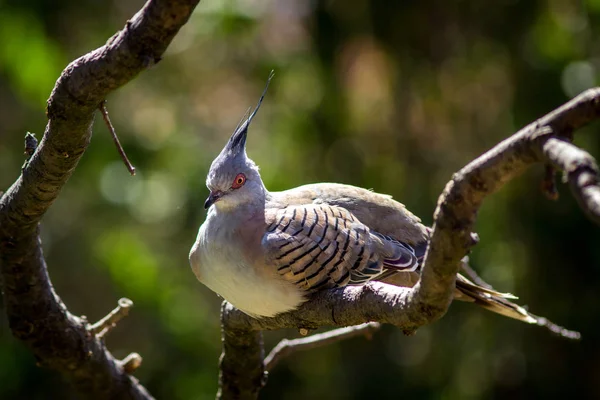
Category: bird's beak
[213,198]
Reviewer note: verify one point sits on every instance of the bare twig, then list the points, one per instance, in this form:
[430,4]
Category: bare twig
[303,331]
[287,347]
[472,274]
[548,184]
[132,362]
[31,144]
[104,326]
[113,133]
[558,330]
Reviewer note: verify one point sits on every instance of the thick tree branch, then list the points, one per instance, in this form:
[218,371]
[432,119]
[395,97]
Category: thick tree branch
[36,314]
[409,308]
[352,305]
[241,370]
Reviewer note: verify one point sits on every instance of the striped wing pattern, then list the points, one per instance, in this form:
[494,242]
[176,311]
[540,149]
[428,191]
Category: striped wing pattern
[318,246]
[404,257]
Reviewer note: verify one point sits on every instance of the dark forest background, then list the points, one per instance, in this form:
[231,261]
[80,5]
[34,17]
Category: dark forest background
[389,95]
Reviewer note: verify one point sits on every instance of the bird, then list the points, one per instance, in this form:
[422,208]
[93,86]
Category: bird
[267,252]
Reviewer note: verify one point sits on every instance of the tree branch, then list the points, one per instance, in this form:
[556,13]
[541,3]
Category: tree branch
[107,323]
[409,308]
[115,138]
[132,362]
[458,205]
[287,347]
[581,171]
[470,273]
[36,314]
[241,369]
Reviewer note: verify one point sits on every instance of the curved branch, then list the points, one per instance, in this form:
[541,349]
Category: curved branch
[451,238]
[459,204]
[581,171]
[36,314]
[287,347]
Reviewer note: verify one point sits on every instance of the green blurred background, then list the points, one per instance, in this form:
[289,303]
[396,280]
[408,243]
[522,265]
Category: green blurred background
[389,95]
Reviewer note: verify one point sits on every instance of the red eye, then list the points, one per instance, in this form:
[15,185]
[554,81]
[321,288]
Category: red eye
[239,181]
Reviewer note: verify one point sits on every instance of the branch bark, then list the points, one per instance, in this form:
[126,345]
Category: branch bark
[580,170]
[241,369]
[36,314]
[544,141]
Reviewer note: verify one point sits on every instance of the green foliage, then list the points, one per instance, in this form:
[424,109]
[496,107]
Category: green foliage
[394,96]
[29,58]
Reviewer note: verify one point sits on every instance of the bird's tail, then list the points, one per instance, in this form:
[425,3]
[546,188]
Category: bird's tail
[500,303]
[491,300]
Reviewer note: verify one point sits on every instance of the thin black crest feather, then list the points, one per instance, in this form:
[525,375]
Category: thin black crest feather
[237,141]
[243,119]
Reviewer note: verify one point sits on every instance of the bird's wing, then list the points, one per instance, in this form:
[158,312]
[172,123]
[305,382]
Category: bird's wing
[378,211]
[321,246]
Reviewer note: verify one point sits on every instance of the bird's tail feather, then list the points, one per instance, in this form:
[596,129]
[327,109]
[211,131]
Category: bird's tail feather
[499,303]
[485,297]
[491,300]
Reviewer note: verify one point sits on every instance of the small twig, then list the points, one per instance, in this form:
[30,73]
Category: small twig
[472,275]
[104,326]
[548,184]
[104,112]
[132,362]
[556,329]
[303,331]
[287,347]
[31,144]
[474,238]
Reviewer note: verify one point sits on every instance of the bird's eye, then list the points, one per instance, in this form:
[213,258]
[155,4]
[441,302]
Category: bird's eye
[239,181]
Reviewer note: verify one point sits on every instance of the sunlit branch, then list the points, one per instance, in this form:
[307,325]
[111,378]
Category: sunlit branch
[107,323]
[287,347]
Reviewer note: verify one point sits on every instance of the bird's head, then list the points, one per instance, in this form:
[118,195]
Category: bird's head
[233,178]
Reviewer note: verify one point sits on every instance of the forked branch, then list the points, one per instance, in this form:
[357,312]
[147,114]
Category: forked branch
[287,347]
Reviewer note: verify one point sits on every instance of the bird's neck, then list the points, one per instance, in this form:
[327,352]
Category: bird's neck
[244,208]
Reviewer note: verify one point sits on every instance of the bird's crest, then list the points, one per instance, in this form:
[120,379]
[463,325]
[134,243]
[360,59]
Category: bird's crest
[237,141]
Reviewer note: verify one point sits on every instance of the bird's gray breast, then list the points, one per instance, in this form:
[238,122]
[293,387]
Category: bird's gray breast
[228,258]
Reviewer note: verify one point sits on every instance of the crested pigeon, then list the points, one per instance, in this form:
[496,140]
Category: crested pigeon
[267,252]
